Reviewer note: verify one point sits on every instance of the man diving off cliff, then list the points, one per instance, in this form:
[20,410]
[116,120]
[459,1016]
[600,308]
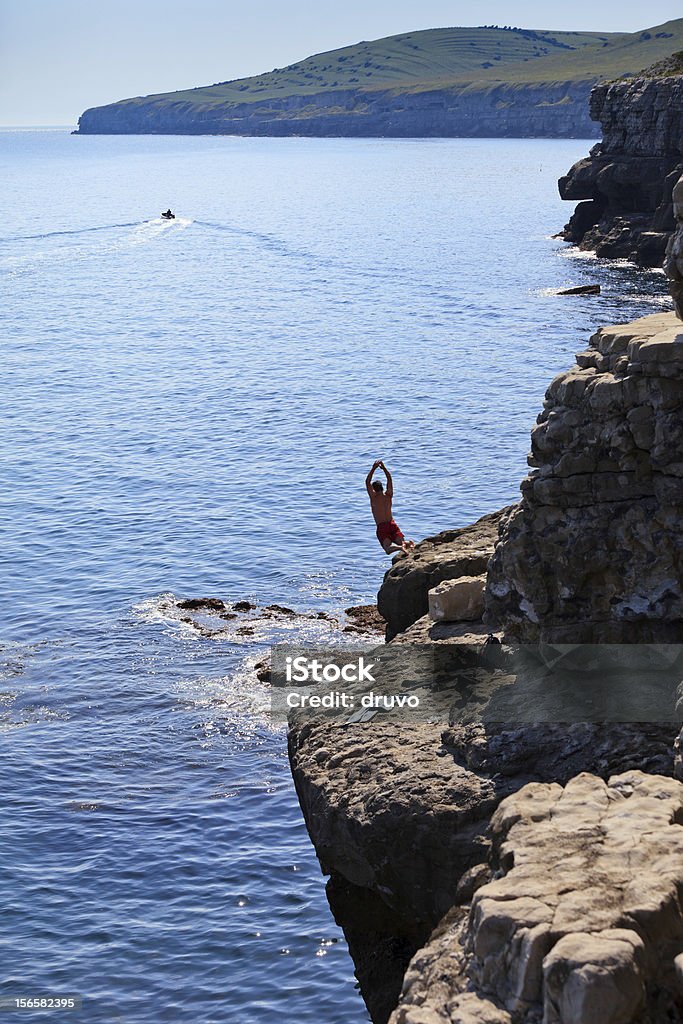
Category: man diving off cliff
[388,532]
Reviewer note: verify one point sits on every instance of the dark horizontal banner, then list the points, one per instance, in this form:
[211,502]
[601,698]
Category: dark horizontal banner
[490,683]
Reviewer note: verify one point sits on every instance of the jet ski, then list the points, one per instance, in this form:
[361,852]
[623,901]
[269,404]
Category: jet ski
[168,215]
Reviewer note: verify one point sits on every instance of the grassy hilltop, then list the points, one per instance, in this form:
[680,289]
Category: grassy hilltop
[462,60]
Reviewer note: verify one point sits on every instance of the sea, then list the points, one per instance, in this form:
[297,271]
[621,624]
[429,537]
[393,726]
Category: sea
[189,409]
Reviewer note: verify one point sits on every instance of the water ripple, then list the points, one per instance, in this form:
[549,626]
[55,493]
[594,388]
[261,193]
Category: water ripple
[191,407]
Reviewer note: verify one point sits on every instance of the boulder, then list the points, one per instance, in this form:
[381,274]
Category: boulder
[595,978]
[460,600]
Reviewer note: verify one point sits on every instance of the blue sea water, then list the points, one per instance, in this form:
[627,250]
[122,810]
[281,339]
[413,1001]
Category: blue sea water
[189,409]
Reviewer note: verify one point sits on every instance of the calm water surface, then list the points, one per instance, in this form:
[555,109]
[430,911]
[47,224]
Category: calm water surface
[189,408]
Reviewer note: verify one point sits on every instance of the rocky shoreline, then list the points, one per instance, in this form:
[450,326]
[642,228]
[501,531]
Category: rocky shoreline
[493,872]
[625,184]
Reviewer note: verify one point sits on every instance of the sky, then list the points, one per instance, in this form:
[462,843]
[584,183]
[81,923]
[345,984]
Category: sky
[58,57]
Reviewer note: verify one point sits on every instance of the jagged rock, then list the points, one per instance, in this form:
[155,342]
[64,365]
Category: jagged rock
[626,181]
[584,926]
[280,609]
[594,551]
[403,596]
[202,604]
[575,923]
[365,618]
[460,600]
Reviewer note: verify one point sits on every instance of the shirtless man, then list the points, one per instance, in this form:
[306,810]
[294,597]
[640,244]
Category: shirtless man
[388,532]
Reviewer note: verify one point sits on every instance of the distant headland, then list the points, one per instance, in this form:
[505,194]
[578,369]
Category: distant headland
[460,82]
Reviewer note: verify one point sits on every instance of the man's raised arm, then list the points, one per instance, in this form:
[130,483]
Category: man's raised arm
[390,482]
[368,479]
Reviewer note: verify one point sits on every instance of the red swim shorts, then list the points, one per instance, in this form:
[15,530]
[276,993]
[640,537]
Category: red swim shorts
[389,531]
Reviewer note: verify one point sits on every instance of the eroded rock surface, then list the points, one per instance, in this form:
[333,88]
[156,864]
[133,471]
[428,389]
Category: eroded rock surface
[587,916]
[584,924]
[403,596]
[399,814]
[390,810]
[594,551]
[460,600]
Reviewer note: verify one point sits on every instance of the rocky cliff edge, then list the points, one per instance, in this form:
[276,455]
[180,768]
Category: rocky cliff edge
[492,873]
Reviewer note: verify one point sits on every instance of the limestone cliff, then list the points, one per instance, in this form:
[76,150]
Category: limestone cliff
[538,110]
[399,816]
[572,931]
[489,872]
[593,551]
[485,81]
[625,184]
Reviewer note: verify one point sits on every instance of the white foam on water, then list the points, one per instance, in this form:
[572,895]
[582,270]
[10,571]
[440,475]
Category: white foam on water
[574,253]
[88,244]
[150,230]
[258,627]
[238,701]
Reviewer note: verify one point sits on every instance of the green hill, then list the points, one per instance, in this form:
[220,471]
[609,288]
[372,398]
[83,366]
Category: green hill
[456,61]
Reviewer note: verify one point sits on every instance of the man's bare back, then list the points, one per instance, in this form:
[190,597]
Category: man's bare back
[388,533]
[380,503]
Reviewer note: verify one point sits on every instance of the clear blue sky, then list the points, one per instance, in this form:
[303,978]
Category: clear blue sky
[60,56]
